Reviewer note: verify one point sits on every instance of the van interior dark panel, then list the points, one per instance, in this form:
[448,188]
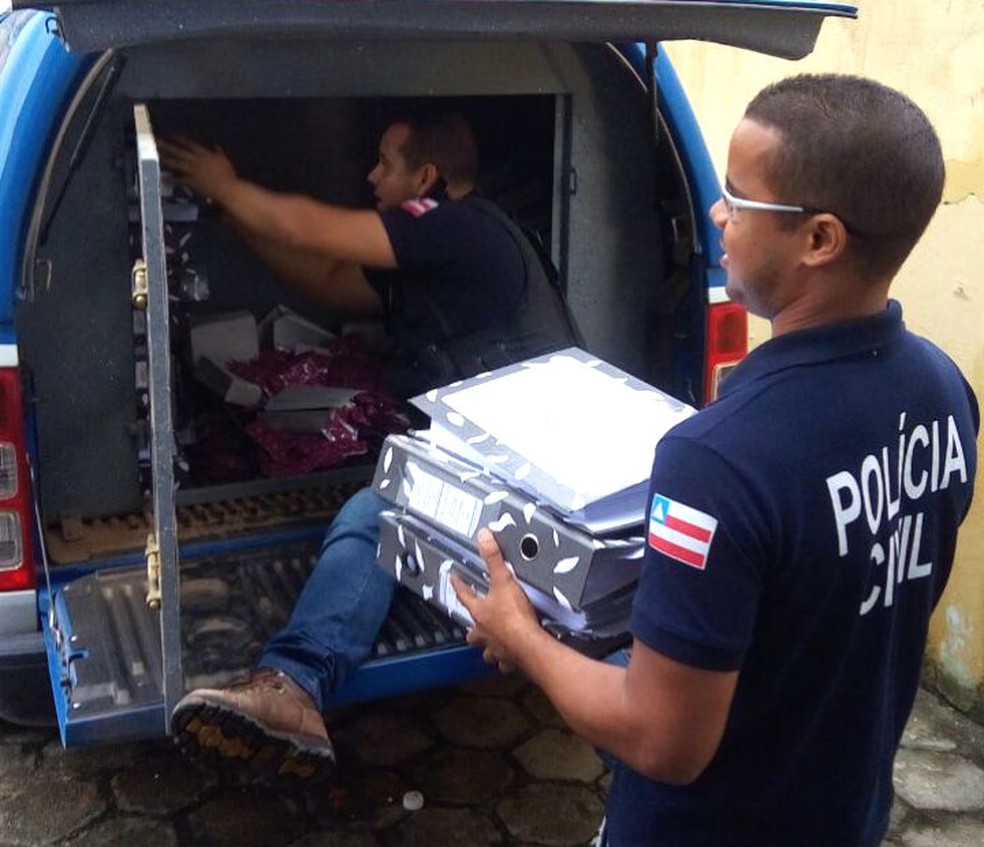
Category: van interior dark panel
[567,149]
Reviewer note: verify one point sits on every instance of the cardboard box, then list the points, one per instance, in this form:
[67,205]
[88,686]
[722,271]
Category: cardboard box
[232,389]
[224,338]
[305,408]
[289,331]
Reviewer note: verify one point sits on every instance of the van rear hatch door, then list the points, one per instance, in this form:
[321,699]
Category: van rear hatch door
[140,610]
[162,546]
[786,28]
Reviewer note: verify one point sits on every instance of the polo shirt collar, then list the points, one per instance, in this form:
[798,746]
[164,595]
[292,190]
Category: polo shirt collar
[818,344]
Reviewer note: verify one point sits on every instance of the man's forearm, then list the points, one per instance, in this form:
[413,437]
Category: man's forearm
[645,717]
[330,283]
[306,225]
[644,713]
[305,271]
[262,213]
[588,694]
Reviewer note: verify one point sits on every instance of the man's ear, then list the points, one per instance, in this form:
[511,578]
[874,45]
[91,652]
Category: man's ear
[427,180]
[828,240]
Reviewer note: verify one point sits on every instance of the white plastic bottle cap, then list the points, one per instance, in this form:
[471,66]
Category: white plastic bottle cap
[413,801]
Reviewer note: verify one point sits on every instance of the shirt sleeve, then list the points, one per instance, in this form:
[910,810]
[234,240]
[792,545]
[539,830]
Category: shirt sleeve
[422,235]
[703,570]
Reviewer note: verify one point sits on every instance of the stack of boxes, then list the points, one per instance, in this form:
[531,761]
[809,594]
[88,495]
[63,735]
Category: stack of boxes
[574,540]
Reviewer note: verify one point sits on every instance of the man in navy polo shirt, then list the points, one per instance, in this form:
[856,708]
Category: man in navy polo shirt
[454,280]
[802,528]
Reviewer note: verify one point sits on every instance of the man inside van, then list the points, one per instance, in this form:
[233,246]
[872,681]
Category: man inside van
[802,528]
[456,284]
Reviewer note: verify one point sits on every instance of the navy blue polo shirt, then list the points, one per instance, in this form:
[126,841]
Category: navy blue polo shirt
[458,270]
[801,529]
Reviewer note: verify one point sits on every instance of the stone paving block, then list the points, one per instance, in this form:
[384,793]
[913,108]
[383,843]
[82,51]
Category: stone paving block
[933,716]
[924,730]
[384,740]
[16,762]
[454,775]
[944,832]
[931,780]
[128,832]
[371,797]
[160,787]
[245,818]
[559,754]
[440,827]
[897,817]
[541,708]
[338,838]
[551,814]
[509,685]
[90,761]
[24,736]
[485,722]
[44,811]
[420,703]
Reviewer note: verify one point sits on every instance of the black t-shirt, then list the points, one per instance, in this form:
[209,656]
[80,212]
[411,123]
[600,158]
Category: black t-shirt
[459,271]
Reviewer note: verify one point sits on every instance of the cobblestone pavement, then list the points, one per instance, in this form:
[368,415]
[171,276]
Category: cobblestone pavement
[492,762]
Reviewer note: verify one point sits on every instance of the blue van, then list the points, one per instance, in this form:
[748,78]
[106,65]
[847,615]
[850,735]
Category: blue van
[129,574]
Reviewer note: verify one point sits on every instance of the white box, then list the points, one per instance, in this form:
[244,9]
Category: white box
[223,338]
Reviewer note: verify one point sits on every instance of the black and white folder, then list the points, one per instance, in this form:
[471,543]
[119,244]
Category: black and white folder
[457,498]
[571,431]
[423,559]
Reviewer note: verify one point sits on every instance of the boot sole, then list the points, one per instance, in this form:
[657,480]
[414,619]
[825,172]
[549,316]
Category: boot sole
[235,745]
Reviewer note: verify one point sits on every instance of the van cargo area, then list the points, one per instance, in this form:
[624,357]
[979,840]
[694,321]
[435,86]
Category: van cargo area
[571,146]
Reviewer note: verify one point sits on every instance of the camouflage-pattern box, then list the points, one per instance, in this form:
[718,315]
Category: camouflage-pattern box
[456,498]
[423,560]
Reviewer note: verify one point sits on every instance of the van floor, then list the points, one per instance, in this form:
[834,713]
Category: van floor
[244,511]
[231,604]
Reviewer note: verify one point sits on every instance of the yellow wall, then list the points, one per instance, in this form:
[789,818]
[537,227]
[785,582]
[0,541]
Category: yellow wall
[934,53]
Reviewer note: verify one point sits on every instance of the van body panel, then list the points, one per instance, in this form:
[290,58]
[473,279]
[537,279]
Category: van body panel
[18,612]
[786,28]
[35,81]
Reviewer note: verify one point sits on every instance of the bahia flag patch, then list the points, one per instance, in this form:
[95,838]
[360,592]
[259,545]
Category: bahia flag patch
[680,532]
[419,207]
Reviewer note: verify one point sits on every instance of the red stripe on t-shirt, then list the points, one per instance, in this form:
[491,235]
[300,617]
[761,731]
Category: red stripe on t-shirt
[675,551]
[694,531]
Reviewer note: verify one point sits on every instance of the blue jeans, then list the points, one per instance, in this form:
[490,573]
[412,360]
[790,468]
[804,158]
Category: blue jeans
[342,606]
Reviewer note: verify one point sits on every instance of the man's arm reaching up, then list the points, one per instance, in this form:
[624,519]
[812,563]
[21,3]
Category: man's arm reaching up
[352,236]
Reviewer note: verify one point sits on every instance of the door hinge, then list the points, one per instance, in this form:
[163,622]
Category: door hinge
[153,556]
[138,275]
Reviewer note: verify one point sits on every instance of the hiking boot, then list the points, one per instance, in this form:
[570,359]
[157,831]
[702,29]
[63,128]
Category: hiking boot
[267,729]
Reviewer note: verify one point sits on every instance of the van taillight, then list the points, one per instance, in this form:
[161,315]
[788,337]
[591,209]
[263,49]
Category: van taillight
[727,344]
[16,559]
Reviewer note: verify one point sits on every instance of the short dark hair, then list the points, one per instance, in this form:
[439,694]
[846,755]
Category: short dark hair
[444,140]
[858,149]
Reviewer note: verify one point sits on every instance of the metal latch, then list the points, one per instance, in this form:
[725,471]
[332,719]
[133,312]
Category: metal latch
[139,276]
[153,556]
[682,234]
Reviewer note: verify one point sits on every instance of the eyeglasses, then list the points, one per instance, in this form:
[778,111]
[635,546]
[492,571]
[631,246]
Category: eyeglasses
[734,204]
